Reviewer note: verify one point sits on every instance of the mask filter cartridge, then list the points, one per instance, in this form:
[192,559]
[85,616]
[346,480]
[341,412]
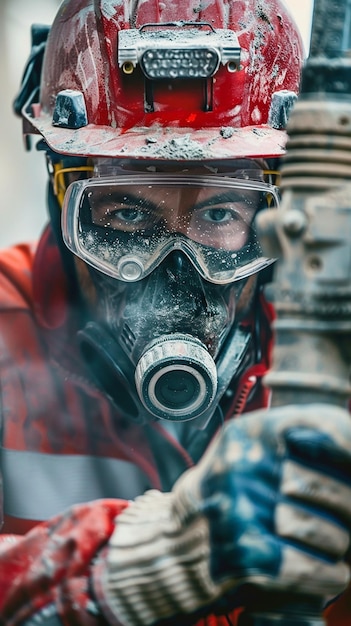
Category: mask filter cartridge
[176,377]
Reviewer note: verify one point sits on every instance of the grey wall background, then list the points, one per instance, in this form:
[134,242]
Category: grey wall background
[22,174]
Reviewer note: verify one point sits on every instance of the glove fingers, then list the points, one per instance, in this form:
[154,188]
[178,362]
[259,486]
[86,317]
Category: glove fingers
[319,449]
[322,491]
[276,562]
[310,574]
[298,573]
[303,526]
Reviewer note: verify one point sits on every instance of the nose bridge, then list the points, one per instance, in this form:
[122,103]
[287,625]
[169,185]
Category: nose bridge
[179,262]
[181,204]
[181,259]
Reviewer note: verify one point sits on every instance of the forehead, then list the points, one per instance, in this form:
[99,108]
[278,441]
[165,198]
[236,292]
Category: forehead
[181,194]
[246,169]
[188,197]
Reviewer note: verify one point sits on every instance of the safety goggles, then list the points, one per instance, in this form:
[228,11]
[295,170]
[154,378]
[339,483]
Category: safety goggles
[125,226]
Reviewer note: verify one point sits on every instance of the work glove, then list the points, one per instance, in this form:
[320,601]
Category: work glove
[269,505]
[45,575]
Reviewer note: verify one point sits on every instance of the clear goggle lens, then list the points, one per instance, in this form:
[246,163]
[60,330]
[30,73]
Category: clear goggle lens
[125,226]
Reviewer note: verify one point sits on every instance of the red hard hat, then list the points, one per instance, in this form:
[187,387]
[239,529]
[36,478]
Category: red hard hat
[168,79]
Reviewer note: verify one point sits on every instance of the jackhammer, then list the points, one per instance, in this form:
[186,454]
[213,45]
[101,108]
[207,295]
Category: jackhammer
[310,234]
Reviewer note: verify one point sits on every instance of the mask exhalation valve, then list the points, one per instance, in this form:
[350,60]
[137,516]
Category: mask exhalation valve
[176,377]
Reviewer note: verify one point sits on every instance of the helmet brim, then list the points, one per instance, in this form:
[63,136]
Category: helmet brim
[157,143]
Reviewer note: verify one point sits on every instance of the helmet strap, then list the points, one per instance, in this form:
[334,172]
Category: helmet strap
[67,258]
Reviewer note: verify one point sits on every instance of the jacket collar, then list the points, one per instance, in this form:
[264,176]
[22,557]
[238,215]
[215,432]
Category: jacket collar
[50,286]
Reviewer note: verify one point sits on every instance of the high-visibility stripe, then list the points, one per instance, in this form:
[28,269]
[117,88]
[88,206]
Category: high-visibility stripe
[45,617]
[38,486]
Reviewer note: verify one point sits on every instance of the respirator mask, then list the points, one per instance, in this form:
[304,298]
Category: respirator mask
[168,254]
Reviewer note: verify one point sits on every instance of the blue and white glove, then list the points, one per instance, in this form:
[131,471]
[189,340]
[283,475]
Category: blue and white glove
[269,504]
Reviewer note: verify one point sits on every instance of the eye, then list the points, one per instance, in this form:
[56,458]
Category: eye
[121,214]
[129,215]
[219,215]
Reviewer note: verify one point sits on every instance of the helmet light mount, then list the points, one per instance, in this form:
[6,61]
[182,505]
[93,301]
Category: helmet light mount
[178,50]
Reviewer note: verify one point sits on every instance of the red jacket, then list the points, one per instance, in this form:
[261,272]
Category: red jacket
[62,441]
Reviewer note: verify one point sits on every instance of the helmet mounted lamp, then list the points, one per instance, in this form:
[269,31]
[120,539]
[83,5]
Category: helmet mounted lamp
[178,50]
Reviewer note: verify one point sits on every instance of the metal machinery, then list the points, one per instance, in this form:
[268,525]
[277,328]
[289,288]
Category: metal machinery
[311,235]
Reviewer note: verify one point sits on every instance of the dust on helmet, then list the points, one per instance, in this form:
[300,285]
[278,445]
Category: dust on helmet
[167,80]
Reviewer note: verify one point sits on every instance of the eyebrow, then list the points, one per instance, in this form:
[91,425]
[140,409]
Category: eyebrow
[129,199]
[221,197]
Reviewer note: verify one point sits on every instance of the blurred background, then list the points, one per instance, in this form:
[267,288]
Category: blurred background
[22,174]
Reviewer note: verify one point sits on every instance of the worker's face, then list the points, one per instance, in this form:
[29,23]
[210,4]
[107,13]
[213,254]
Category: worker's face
[212,225]
[144,218]
[172,258]
[130,223]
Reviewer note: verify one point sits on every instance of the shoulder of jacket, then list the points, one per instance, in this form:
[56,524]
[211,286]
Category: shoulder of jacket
[16,291]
